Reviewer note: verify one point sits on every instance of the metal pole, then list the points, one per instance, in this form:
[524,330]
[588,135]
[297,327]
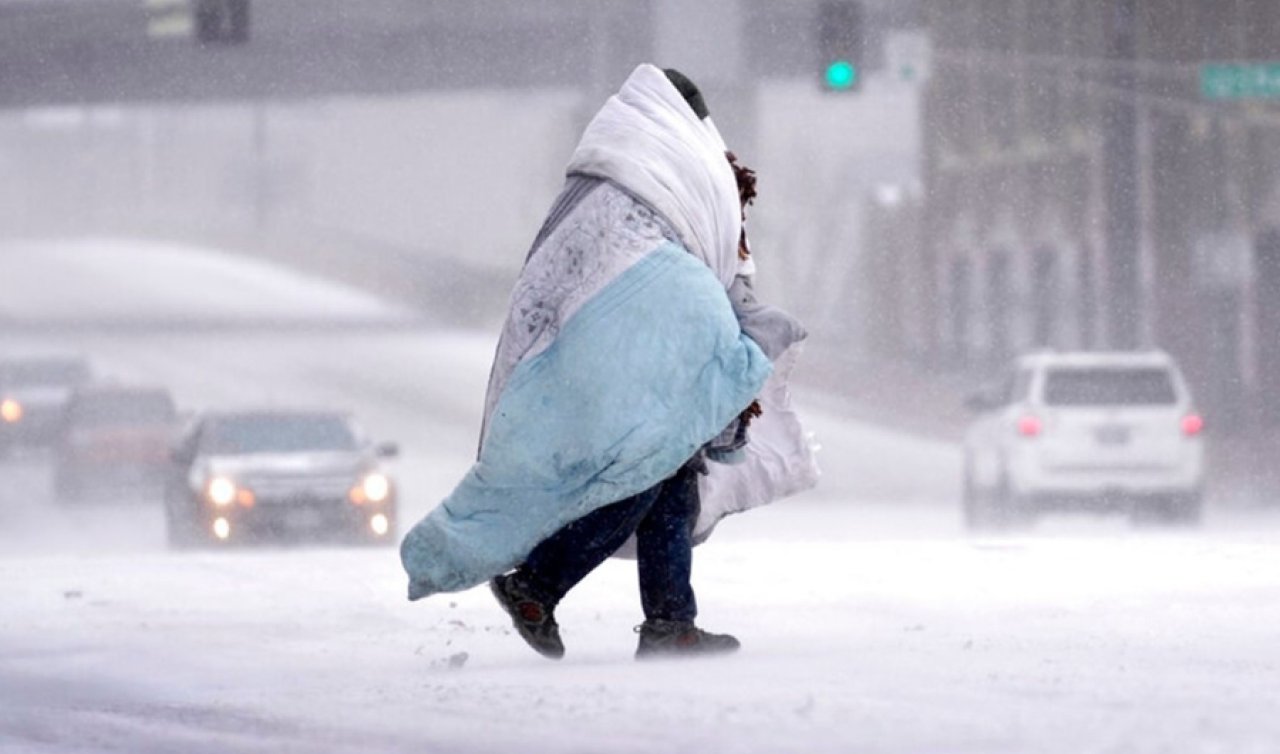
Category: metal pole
[261,175]
[1121,173]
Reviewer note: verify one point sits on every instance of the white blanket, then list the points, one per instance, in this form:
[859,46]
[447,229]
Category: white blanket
[648,139]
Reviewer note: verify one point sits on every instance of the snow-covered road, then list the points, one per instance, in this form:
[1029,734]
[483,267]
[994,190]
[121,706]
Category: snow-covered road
[869,621]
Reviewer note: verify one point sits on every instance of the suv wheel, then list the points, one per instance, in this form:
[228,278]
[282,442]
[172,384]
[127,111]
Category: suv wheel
[995,509]
[1188,508]
[981,506]
[1182,509]
[984,509]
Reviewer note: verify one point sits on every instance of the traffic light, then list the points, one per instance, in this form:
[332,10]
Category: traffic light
[842,43]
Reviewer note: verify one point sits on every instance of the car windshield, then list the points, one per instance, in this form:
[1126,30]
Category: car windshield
[1109,387]
[44,373]
[278,434]
[112,409]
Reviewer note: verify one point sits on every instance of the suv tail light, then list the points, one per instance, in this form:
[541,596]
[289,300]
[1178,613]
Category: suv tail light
[1030,425]
[1192,425]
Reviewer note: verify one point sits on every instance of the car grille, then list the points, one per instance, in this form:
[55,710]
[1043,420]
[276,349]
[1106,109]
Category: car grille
[299,489]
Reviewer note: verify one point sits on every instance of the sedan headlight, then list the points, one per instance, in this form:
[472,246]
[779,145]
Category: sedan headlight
[221,491]
[10,411]
[373,488]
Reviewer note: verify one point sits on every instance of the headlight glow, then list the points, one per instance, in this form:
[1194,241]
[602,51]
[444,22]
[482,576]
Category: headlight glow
[221,491]
[221,528]
[376,487]
[379,524]
[11,411]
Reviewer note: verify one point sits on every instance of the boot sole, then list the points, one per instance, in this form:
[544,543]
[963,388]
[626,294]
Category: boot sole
[659,655]
[552,653]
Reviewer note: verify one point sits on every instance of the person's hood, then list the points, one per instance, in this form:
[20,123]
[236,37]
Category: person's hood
[647,139]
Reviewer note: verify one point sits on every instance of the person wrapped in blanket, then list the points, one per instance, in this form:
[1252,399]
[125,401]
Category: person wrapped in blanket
[634,365]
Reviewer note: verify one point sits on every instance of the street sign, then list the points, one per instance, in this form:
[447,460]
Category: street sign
[1235,81]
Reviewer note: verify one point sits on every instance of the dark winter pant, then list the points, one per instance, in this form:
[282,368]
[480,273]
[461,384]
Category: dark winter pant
[661,517]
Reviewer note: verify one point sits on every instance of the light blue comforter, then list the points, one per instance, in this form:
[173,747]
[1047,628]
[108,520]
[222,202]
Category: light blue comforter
[645,373]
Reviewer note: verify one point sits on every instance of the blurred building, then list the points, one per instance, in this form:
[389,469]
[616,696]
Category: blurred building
[1096,177]
[362,141]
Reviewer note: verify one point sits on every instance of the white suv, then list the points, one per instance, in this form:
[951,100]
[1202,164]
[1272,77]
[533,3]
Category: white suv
[1107,430]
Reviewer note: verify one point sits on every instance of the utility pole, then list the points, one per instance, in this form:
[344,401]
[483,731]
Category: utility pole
[261,173]
[1121,189]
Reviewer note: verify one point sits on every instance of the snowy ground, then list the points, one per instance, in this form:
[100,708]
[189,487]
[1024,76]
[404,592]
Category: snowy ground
[870,622]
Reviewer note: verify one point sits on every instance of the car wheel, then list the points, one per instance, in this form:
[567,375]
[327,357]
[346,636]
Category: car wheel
[1184,509]
[973,502]
[180,530]
[995,508]
[1188,508]
[177,533]
[1008,509]
[1019,511]
[999,509]
[985,510]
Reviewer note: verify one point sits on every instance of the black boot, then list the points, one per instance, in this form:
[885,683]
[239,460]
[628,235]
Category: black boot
[668,638]
[534,620]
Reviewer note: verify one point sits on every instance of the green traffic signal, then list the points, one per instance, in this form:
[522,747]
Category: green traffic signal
[841,74]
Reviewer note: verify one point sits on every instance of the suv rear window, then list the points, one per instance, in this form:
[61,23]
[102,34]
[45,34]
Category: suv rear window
[1141,386]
